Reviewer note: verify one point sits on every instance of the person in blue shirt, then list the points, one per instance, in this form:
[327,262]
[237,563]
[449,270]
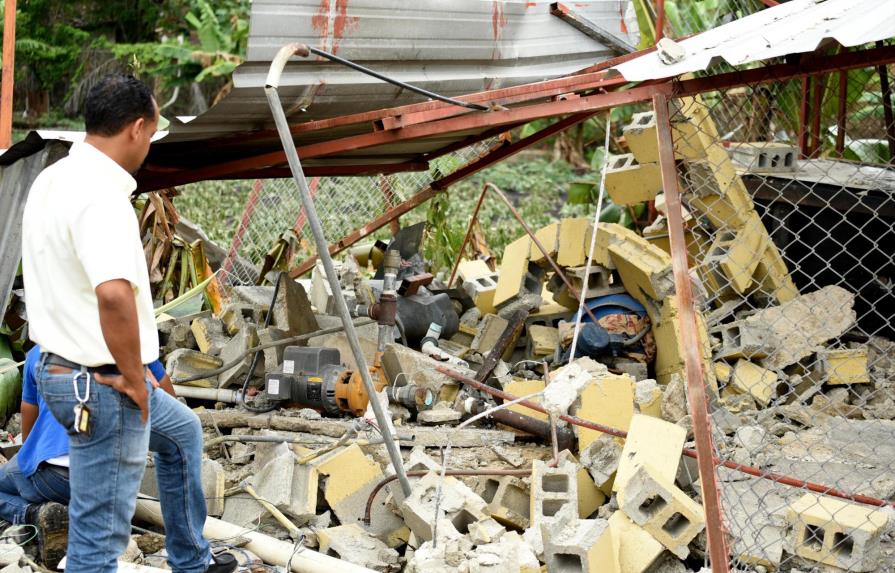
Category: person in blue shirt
[34,483]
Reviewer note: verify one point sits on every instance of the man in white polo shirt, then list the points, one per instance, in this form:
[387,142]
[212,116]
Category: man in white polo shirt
[90,309]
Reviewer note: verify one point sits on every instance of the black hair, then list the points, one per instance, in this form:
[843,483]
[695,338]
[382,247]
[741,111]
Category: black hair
[116,101]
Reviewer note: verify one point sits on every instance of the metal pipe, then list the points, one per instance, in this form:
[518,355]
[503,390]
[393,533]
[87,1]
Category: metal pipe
[564,439]
[8,74]
[817,95]
[840,113]
[216,394]
[804,110]
[660,20]
[690,453]
[294,532]
[282,124]
[420,473]
[702,430]
[468,236]
[888,115]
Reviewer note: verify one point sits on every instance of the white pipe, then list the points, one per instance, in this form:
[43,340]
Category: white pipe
[271,551]
[216,394]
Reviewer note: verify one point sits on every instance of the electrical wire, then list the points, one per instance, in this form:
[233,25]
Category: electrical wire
[245,383]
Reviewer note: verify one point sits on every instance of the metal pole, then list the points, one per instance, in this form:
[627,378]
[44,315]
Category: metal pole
[840,113]
[888,115]
[469,230]
[276,108]
[717,544]
[8,74]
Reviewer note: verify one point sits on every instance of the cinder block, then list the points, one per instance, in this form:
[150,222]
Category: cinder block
[774,283]
[508,500]
[513,268]
[654,442]
[349,477]
[723,371]
[722,199]
[184,363]
[601,459]
[648,396]
[743,340]
[834,532]
[481,290]
[273,356]
[554,498]
[542,340]
[599,282]
[469,270]
[236,347]
[461,506]
[764,156]
[662,509]
[549,238]
[490,329]
[669,346]
[645,270]
[750,378]
[738,253]
[843,366]
[635,549]
[582,546]
[574,242]
[642,140]
[630,183]
[209,334]
[235,315]
[590,497]
[606,400]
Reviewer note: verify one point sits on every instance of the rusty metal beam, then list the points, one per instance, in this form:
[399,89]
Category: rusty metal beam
[8,74]
[690,343]
[888,116]
[840,113]
[804,112]
[590,29]
[587,104]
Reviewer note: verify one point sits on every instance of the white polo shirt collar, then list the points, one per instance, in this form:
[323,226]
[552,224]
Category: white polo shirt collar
[120,178]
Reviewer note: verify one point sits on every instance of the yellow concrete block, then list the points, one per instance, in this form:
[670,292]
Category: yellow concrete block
[845,366]
[349,471]
[655,503]
[543,340]
[723,370]
[549,238]
[641,137]
[724,203]
[513,267]
[653,405]
[774,282]
[669,349]
[521,387]
[634,548]
[574,242]
[837,533]
[650,441]
[469,329]
[645,270]
[738,253]
[630,183]
[750,378]
[469,270]
[687,144]
[608,400]
[590,498]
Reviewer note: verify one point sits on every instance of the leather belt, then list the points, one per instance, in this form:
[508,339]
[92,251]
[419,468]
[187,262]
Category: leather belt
[104,369]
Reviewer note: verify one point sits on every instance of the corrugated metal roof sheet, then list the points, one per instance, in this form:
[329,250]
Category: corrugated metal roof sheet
[451,47]
[794,27]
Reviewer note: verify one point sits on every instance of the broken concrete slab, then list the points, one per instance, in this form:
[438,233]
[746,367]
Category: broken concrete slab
[636,550]
[459,504]
[273,356]
[607,399]
[750,378]
[209,335]
[584,545]
[508,500]
[489,331]
[354,545]
[843,366]
[292,310]
[796,328]
[236,347]
[404,365]
[601,458]
[184,363]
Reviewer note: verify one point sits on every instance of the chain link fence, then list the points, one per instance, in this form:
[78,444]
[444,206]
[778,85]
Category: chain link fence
[789,199]
[273,223]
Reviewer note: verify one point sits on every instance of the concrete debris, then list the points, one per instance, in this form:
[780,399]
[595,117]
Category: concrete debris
[351,543]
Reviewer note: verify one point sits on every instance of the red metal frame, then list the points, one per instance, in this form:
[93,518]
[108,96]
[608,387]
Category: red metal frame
[475,123]
[696,394]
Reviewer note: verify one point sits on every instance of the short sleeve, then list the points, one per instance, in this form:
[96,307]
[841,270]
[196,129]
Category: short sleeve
[29,377]
[105,235]
[158,370]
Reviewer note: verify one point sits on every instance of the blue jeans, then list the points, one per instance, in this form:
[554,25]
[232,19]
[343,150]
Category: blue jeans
[107,467]
[17,492]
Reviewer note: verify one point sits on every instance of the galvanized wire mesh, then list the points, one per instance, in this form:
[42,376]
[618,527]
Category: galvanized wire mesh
[791,253]
[273,212]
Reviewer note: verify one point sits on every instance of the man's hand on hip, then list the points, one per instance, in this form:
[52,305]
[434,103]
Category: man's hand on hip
[134,389]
